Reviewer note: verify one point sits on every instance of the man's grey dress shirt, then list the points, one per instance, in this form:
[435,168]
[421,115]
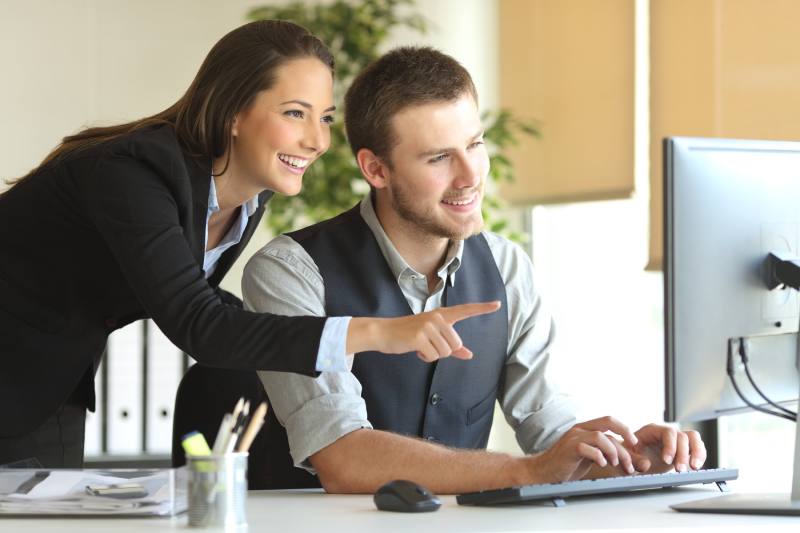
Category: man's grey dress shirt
[283,279]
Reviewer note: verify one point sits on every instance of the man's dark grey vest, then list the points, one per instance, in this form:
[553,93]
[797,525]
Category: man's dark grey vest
[451,401]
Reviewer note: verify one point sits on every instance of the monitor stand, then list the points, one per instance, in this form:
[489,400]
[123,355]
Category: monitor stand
[763,504]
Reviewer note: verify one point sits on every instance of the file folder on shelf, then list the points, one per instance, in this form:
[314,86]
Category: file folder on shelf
[164,371]
[93,432]
[124,360]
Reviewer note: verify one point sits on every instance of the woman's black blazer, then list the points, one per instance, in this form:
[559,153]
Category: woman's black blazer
[109,236]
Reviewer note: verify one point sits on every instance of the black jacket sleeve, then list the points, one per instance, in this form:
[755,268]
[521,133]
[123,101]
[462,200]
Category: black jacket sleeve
[139,199]
[229,298]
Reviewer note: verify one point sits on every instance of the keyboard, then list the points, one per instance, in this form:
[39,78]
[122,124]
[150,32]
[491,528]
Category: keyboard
[556,492]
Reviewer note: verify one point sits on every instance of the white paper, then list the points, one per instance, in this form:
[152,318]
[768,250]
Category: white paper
[63,492]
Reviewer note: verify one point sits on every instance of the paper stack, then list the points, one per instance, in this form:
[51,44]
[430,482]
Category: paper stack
[117,492]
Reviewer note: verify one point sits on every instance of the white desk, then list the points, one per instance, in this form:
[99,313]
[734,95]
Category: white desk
[297,512]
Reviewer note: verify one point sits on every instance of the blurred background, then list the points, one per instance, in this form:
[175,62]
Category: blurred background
[601,81]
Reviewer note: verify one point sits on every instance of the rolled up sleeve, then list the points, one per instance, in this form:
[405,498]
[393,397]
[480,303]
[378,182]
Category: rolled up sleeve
[315,412]
[283,279]
[537,411]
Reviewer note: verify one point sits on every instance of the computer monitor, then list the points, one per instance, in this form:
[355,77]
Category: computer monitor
[728,205]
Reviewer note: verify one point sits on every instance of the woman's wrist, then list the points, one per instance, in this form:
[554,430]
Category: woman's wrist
[363,334]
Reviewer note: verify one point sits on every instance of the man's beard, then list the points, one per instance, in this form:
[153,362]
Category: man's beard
[425,220]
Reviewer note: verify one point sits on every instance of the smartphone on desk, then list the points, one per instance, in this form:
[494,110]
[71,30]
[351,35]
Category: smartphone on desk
[121,491]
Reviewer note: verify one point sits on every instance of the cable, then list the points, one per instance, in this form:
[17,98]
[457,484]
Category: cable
[742,396]
[759,408]
[745,360]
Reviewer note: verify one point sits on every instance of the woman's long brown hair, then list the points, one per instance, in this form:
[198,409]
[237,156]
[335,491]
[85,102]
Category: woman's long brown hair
[236,69]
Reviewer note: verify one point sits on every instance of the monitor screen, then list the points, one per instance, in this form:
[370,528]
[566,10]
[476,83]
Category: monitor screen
[728,204]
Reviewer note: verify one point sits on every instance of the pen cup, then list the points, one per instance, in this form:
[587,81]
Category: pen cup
[217,490]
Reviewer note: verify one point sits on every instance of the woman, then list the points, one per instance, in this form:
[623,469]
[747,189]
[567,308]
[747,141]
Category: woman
[144,219]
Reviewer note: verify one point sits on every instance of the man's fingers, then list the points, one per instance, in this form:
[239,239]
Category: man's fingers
[697,449]
[592,453]
[642,463]
[460,312]
[624,457]
[601,441]
[669,444]
[682,452]
[609,423]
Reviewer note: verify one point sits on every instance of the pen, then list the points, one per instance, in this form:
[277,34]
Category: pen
[223,433]
[245,412]
[238,408]
[237,428]
[252,428]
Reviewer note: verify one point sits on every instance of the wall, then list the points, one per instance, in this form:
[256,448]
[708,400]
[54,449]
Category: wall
[68,64]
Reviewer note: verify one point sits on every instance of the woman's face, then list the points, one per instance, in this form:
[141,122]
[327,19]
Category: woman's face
[285,129]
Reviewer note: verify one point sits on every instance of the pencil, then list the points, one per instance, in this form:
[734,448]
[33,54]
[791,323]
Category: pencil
[252,428]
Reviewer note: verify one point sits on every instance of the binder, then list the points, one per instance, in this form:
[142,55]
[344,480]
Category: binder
[93,432]
[125,382]
[164,371]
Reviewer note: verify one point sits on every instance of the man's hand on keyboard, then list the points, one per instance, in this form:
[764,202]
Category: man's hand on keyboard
[585,445]
[605,447]
[662,448]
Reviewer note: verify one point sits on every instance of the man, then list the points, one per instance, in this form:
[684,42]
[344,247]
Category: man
[416,242]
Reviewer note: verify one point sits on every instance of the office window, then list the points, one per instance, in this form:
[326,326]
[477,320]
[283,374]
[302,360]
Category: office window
[589,260]
[720,69]
[589,265]
[570,65]
[761,447]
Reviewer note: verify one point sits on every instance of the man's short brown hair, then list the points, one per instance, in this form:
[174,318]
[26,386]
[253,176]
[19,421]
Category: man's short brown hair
[402,78]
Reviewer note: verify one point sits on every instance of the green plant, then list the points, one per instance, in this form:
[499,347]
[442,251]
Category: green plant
[355,31]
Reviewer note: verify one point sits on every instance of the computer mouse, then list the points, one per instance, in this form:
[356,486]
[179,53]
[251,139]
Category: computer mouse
[405,497]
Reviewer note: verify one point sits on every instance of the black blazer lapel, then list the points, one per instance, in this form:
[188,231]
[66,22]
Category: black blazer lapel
[232,253]
[200,179]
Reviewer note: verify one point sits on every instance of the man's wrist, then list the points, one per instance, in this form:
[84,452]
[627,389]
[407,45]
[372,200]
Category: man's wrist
[538,469]
[522,470]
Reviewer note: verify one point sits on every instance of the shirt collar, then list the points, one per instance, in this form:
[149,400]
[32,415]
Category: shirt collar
[213,203]
[250,205]
[396,263]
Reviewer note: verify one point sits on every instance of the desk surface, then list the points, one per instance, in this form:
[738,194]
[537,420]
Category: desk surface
[299,511]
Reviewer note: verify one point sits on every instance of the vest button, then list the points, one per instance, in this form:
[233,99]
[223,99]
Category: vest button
[111,322]
[430,438]
[435,398]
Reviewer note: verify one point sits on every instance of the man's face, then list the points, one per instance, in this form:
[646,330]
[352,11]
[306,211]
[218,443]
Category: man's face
[438,168]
